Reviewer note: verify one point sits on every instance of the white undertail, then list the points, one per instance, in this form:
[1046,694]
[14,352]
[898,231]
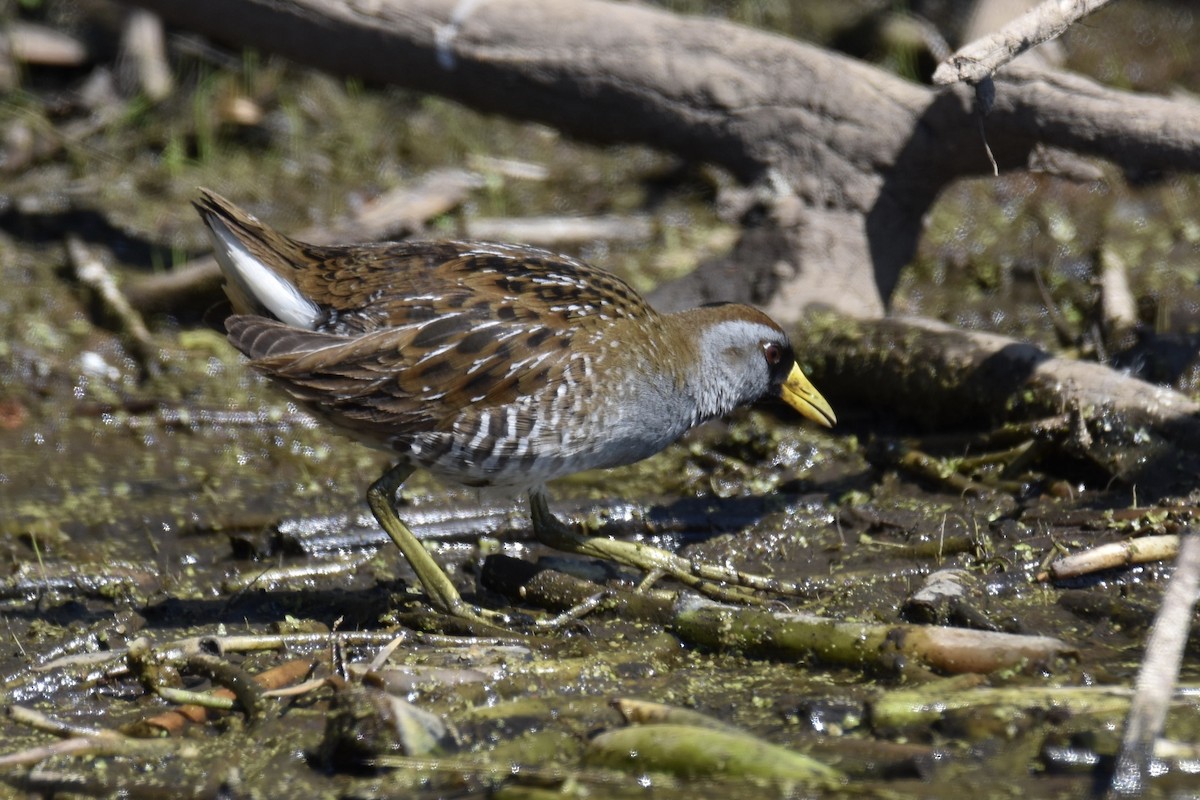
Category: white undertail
[256,283]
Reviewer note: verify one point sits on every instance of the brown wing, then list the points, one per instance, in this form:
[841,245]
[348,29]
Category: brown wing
[414,333]
[365,287]
[403,283]
[397,381]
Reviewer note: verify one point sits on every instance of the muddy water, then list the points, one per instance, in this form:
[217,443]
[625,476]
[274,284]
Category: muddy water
[192,500]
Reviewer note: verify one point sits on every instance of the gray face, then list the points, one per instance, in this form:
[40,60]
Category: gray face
[742,361]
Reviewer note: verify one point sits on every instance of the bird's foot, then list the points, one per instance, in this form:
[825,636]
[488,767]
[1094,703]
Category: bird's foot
[720,583]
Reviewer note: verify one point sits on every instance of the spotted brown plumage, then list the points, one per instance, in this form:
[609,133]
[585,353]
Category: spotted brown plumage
[487,364]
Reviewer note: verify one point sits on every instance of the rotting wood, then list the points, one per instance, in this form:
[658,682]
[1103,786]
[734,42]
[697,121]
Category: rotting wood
[927,372]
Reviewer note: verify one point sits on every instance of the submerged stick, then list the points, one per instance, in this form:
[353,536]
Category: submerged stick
[1159,673]
[858,645]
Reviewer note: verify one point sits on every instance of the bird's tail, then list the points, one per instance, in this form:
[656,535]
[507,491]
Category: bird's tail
[259,264]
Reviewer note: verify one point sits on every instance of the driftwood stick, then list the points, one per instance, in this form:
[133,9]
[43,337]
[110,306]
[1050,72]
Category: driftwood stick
[876,647]
[561,232]
[92,272]
[982,57]
[1159,674]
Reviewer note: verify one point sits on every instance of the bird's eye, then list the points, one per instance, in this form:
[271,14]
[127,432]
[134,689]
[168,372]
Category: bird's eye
[773,352]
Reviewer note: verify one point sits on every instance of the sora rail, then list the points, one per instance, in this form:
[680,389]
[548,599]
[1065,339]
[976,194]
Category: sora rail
[492,365]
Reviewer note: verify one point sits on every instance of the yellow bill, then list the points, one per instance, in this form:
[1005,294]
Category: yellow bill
[799,393]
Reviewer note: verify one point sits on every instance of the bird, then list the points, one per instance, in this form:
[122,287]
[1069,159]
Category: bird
[491,364]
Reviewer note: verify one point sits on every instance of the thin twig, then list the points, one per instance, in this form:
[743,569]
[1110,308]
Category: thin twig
[982,57]
[106,743]
[92,272]
[1159,673]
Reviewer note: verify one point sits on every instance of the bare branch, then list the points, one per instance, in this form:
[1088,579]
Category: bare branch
[1159,673]
[982,57]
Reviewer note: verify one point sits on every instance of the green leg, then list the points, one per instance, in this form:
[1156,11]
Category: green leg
[717,582]
[433,578]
